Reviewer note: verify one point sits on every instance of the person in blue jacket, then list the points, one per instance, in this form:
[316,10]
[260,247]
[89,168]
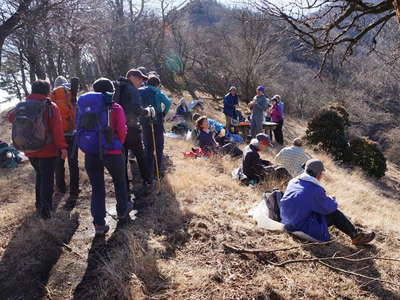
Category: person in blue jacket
[231,100]
[306,207]
[152,96]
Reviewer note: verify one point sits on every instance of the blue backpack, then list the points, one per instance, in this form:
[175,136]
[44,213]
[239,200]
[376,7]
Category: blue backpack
[94,134]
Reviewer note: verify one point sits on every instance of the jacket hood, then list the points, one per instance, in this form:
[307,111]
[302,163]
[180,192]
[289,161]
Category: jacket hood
[304,176]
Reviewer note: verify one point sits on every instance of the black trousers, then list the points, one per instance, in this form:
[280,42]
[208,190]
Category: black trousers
[341,222]
[44,188]
[73,169]
[134,142]
[278,133]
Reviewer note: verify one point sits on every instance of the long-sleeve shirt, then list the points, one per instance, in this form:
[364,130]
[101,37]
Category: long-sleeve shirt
[304,206]
[118,124]
[276,114]
[261,104]
[55,128]
[253,166]
[207,142]
[229,104]
[293,158]
[160,98]
[131,102]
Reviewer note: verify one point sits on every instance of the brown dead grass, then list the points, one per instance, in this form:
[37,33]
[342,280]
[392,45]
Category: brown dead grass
[174,249]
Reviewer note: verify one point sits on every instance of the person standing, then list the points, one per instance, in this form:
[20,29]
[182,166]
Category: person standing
[101,132]
[276,117]
[131,102]
[258,106]
[231,100]
[63,96]
[153,97]
[38,131]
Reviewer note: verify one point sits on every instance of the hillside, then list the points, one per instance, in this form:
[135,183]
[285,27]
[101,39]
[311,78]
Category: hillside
[174,249]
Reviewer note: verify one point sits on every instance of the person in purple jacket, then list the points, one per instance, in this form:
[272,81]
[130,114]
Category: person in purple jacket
[276,117]
[306,207]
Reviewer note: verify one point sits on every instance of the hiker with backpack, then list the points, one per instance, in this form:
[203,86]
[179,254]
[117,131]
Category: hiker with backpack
[258,105]
[293,158]
[64,95]
[128,96]
[276,117]
[231,101]
[38,131]
[306,207]
[256,169]
[153,127]
[101,133]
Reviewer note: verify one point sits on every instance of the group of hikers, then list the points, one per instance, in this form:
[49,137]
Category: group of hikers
[123,119]
[109,124]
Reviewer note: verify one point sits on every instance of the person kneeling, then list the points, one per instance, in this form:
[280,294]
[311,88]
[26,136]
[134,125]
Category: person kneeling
[257,169]
[306,207]
[101,132]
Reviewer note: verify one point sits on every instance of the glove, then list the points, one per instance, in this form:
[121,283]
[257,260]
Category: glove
[151,113]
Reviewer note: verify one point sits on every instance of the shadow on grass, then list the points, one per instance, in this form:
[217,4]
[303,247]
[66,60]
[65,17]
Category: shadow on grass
[125,266]
[31,254]
[366,268]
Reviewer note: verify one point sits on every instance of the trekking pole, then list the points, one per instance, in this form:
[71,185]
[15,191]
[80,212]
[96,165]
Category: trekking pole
[155,155]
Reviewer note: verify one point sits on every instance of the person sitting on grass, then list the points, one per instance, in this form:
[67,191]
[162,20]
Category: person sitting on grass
[214,126]
[293,158]
[257,169]
[209,145]
[306,207]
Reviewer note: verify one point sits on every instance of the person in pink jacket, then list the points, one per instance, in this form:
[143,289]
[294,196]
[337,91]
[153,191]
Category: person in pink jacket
[112,158]
[276,117]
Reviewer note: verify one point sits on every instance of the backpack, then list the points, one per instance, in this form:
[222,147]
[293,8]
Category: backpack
[180,129]
[30,130]
[119,87]
[94,134]
[63,98]
[272,201]
[9,157]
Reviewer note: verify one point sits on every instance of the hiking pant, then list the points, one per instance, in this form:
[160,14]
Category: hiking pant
[44,169]
[341,222]
[73,169]
[278,133]
[149,144]
[135,144]
[228,123]
[256,125]
[115,164]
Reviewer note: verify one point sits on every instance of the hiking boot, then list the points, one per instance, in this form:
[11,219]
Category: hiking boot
[70,203]
[129,208]
[101,229]
[45,215]
[363,238]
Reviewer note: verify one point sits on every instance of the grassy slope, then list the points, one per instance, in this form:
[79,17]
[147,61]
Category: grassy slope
[174,250]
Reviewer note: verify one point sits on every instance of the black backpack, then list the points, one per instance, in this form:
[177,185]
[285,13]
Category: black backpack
[272,201]
[30,130]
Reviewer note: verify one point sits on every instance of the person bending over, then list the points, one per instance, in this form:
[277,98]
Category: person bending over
[306,207]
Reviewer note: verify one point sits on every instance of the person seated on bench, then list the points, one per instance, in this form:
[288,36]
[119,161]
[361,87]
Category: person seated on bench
[306,207]
[257,169]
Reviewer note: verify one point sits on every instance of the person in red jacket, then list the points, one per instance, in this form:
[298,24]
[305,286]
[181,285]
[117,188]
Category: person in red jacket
[44,160]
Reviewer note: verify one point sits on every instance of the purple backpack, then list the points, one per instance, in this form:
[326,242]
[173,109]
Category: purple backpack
[94,134]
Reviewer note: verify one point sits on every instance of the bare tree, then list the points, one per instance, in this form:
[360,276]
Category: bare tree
[326,25]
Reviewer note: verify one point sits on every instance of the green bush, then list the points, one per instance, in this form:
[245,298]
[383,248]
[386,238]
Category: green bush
[367,155]
[328,130]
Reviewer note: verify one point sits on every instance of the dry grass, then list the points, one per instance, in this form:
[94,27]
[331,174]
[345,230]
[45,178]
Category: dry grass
[174,249]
